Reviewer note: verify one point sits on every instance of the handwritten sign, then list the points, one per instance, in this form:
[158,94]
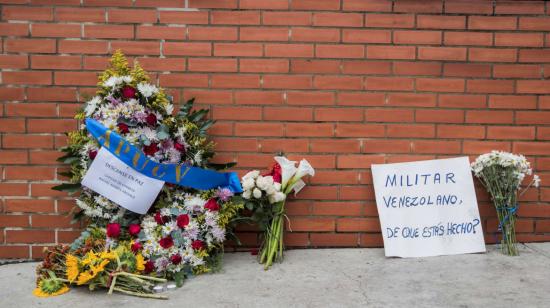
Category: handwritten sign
[428,208]
[118,182]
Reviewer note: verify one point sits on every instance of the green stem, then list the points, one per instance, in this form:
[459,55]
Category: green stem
[147,295]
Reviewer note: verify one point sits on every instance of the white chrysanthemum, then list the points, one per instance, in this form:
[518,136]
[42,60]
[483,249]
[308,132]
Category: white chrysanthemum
[169,108]
[149,133]
[248,184]
[115,81]
[147,89]
[198,157]
[91,105]
[257,193]
[251,175]
[247,194]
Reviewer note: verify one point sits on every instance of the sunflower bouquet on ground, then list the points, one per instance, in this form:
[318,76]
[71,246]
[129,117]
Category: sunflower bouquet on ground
[265,196]
[502,174]
[94,265]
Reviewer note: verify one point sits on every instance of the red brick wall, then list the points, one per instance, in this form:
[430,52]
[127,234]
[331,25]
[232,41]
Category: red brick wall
[344,83]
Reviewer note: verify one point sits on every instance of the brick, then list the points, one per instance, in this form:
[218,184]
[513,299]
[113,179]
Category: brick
[533,86]
[29,173]
[441,22]
[197,33]
[468,38]
[288,114]
[289,50]
[259,129]
[367,5]
[338,82]
[9,157]
[461,131]
[386,146]
[533,117]
[14,29]
[287,82]
[30,45]
[187,49]
[29,77]
[310,98]
[238,49]
[55,30]
[13,61]
[330,5]
[212,65]
[403,131]
[389,83]
[309,130]
[490,86]
[512,102]
[429,6]
[65,94]
[31,110]
[516,71]
[235,17]
[274,145]
[263,34]
[75,78]
[191,17]
[30,236]
[389,115]
[417,37]
[480,147]
[365,36]
[534,55]
[131,16]
[519,39]
[83,47]
[184,80]
[466,70]
[417,68]
[492,55]
[442,53]
[531,148]
[339,51]
[224,4]
[338,19]
[235,81]
[492,23]
[287,18]
[29,206]
[411,100]
[27,13]
[137,48]
[314,66]
[436,147]
[361,99]
[338,114]
[14,189]
[489,117]
[534,23]
[50,125]
[160,32]
[269,4]
[440,116]
[12,125]
[258,97]
[519,7]
[161,64]
[358,161]
[358,225]
[359,130]
[366,67]
[334,240]
[79,14]
[513,133]
[55,62]
[315,35]
[391,52]
[390,20]
[440,85]
[469,7]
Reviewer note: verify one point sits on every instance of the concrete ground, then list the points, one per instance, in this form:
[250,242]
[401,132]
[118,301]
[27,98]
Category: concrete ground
[331,278]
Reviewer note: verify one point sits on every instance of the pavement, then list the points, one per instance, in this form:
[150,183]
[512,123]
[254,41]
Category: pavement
[330,278]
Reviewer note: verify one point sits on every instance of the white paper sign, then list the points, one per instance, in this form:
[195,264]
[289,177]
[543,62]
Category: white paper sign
[118,182]
[428,208]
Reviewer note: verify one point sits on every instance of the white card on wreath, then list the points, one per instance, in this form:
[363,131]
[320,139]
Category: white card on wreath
[120,183]
[428,208]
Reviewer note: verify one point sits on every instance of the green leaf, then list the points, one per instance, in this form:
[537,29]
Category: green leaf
[68,187]
[179,277]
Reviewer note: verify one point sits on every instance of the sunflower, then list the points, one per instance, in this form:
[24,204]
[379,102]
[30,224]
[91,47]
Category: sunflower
[89,258]
[140,262]
[96,269]
[108,255]
[72,267]
[50,287]
[84,277]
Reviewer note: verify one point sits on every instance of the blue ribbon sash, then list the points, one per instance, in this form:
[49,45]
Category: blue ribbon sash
[179,174]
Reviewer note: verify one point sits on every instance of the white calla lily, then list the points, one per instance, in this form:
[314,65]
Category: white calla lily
[288,169]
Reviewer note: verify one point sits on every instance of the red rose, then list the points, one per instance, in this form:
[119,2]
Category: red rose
[197,244]
[160,219]
[128,92]
[134,229]
[149,266]
[178,146]
[123,128]
[113,230]
[276,173]
[136,246]
[151,119]
[166,242]
[212,205]
[92,154]
[176,259]
[151,149]
[183,220]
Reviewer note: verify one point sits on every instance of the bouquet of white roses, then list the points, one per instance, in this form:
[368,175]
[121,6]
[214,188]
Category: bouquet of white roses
[502,174]
[266,194]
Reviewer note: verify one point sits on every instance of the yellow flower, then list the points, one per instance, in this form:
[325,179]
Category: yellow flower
[96,269]
[89,258]
[72,267]
[50,287]
[84,277]
[108,255]
[140,262]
